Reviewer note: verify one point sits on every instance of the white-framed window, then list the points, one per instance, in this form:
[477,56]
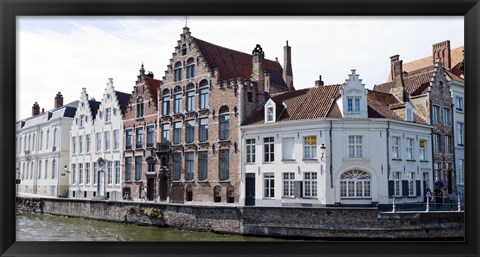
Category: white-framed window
[74,145]
[54,169]
[422,146]
[48,139]
[80,144]
[39,169]
[87,173]
[395,147]
[355,184]
[95,172]
[250,150]
[41,140]
[268,149]
[310,148]
[460,133]
[150,135]
[436,115]
[80,173]
[204,95]
[270,112]
[74,173]
[446,116]
[353,104]
[108,114]
[460,172]
[117,172]
[436,143]
[87,142]
[107,140]
[288,184]
[459,103]
[397,183]
[269,185]
[98,141]
[109,172]
[46,169]
[411,184]
[409,111]
[310,184]
[55,137]
[355,146]
[410,148]
[287,148]
[448,144]
[139,108]
[116,139]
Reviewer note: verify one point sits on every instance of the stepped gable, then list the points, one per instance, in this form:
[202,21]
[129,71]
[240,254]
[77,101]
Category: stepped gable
[153,86]
[232,64]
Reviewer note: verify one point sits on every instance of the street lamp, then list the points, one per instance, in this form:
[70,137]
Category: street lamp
[322,157]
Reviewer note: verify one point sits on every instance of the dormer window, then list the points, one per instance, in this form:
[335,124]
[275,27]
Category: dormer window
[270,111]
[408,109]
[353,104]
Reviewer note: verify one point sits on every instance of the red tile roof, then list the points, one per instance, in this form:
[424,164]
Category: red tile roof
[232,64]
[414,85]
[320,102]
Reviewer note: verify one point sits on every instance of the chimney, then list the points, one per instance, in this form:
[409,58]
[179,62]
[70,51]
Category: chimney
[58,100]
[287,66]
[442,51]
[258,69]
[35,109]
[398,89]
[319,82]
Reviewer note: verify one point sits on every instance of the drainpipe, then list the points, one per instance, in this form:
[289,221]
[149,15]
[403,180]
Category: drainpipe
[453,151]
[331,156]
[388,149]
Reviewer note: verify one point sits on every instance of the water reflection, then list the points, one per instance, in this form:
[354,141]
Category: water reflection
[44,227]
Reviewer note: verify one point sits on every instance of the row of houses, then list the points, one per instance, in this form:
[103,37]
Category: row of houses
[227,127]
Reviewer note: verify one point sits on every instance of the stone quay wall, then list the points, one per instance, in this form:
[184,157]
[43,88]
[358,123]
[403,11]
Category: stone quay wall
[261,221]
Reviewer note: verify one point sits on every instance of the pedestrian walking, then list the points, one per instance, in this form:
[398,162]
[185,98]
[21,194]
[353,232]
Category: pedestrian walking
[429,195]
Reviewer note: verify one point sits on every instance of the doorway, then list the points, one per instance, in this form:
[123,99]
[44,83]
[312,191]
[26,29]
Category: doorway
[150,189]
[163,188]
[250,190]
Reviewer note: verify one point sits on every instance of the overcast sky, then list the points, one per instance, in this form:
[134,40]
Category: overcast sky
[65,54]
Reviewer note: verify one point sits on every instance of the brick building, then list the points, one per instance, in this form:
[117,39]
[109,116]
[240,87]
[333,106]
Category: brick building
[140,164]
[207,92]
[427,83]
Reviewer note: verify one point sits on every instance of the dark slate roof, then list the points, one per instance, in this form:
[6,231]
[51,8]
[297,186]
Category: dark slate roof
[232,64]
[94,105]
[123,99]
[69,112]
[153,85]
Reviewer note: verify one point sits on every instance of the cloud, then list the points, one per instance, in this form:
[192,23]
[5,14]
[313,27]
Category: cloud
[68,53]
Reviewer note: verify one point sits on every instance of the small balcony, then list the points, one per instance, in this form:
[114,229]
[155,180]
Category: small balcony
[163,147]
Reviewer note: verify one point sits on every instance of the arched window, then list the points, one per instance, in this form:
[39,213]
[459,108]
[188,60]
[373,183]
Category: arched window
[203,99]
[190,68]
[166,102]
[178,100]
[224,119]
[190,97]
[355,184]
[139,107]
[177,70]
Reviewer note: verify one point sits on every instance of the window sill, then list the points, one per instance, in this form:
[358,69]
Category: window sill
[459,145]
[250,163]
[203,181]
[288,160]
[268,162]
[423,160]
[224,181]
[189,181]
[315,160]
[139,119]
[358,198]
[410,160]
[396,159]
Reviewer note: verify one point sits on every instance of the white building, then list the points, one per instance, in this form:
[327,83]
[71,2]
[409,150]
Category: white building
[42,149]
[335,145]
[457,86]
[97,133]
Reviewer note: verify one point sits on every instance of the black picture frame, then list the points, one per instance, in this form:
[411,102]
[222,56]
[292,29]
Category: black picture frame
[9,9]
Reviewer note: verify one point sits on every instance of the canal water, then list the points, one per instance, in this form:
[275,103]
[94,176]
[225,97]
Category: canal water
[45,227]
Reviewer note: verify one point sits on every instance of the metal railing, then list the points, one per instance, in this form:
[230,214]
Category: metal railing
[430,204]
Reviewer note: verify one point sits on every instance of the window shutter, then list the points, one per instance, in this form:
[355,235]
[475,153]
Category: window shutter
[390,188]
[419,193]
[404,188]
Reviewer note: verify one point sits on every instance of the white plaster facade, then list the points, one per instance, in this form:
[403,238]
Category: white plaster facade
[335,161]
[458,97]
[42,149]
[97,133]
